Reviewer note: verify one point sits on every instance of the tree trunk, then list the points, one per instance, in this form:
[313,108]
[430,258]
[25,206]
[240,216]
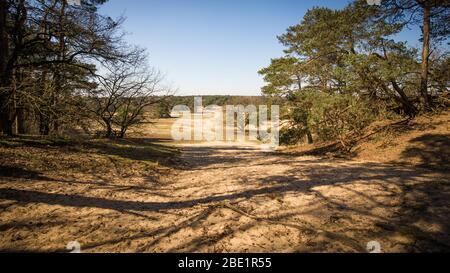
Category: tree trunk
[299,82]
[407,105]
[310,137]
[59,69]
[44,126]
[8,60]
[399,96]
[122,133]
[426,101]
[109,131]
[3,38]
[6,124]
[21,126]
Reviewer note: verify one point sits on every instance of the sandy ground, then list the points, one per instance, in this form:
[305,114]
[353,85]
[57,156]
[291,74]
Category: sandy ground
[232,198]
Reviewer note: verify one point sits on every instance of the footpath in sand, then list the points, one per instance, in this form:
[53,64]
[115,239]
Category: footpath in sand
[233,198]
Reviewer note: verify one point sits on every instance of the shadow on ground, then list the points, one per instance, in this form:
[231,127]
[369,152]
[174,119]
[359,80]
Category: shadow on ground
[422,201]
[429,151]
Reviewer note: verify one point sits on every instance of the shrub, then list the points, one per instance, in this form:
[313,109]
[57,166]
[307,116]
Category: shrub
[328,117]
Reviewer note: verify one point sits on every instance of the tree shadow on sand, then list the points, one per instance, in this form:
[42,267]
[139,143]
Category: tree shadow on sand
[12,172]
[424,200]
[430,151]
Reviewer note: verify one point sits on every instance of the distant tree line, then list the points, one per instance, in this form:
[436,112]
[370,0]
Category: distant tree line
[343,68]
[64,66]
[164,108]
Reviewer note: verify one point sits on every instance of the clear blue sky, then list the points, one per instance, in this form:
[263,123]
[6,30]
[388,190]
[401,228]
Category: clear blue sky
[211,47]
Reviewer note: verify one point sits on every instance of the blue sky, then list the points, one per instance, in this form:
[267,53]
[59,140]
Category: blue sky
[211,47]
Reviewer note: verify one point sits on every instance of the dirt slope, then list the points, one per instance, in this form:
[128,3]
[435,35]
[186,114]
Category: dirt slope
[423,141]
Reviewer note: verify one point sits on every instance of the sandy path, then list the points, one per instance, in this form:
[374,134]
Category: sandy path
[257,201]
[227,198]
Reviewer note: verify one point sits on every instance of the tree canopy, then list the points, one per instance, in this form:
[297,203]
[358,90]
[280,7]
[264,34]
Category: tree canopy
[354,52]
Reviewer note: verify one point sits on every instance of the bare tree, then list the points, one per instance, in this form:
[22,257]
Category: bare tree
[124,90]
